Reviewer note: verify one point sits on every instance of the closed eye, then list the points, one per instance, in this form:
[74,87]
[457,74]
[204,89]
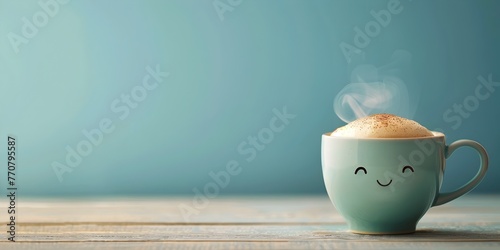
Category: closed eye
[360,168]
[408,167]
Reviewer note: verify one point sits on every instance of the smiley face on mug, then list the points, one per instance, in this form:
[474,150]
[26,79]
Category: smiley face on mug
[406,171]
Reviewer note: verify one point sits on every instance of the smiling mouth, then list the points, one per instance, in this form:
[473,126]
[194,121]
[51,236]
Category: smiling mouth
[385,184]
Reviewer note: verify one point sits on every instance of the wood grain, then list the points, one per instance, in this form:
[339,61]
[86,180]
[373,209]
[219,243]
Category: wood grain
[285,222]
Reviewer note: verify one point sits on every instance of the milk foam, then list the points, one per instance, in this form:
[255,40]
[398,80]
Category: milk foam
[382,126]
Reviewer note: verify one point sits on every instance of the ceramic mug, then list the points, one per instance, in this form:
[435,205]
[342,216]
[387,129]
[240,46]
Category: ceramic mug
[385,185]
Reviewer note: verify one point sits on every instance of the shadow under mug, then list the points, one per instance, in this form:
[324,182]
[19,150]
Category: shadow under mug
[386,185]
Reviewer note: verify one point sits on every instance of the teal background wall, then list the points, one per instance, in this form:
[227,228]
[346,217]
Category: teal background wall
[225,78]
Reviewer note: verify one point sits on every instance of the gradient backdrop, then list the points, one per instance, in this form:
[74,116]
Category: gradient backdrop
[227,73]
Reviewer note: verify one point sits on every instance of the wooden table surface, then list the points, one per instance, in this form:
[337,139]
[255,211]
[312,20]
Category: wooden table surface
[284,222]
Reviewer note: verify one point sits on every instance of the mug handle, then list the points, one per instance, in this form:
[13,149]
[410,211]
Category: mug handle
[443,198]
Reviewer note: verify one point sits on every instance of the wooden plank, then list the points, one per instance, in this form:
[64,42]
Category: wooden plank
[269,233]
[308,209]
[239,222]
[166,209]
[300,245]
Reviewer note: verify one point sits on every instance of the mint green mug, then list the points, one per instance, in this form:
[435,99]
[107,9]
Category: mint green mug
[386,185]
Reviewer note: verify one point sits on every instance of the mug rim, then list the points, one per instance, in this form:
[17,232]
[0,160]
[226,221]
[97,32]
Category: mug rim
[435,135]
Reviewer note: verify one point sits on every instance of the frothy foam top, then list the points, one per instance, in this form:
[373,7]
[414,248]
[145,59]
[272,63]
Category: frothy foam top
[382,126]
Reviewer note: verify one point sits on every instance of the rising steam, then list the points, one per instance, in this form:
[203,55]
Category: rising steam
[376,90]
